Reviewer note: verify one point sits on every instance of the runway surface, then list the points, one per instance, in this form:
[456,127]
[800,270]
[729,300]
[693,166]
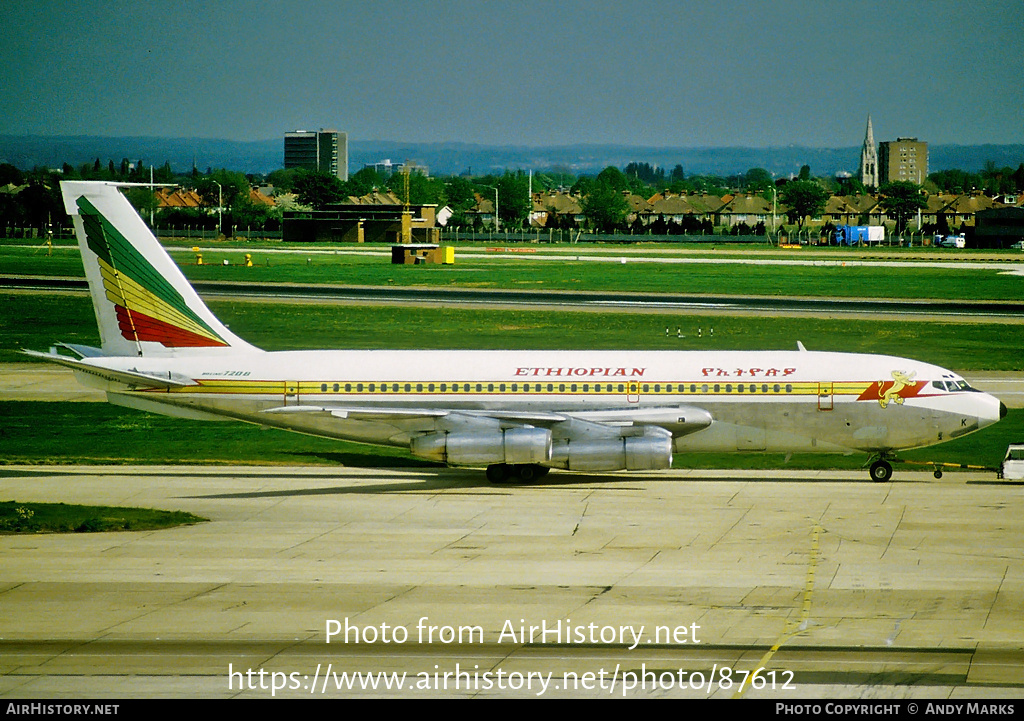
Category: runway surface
[906,589]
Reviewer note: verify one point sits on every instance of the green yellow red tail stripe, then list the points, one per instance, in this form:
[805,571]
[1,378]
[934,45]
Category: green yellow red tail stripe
[147,306]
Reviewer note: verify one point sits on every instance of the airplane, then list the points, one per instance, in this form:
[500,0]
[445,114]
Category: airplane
[517,413]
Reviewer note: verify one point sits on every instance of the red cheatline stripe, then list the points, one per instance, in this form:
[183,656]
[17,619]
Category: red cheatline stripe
[876,390]
[157,331]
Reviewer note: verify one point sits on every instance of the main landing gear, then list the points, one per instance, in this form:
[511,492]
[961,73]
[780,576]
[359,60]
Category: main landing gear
[510,473]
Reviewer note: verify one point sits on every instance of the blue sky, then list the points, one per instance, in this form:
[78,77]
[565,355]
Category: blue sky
[760,74]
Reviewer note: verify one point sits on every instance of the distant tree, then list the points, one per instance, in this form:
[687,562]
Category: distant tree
[645,172]
[163,174]
[954,180]
[805,172]
[365,181]
[757,180]
[459,193]
[513,199]
[318,190]
[11,212]
[423,190]
[282,180]
[613,178]
[42,203]
[583,185]
[851,186]
[460,197]
[233,185]
[9,174]
[901,200]
[248,215]
[804,198]
[605,208]
[143,200]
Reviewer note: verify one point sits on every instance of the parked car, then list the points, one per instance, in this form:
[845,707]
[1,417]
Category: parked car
[953,241]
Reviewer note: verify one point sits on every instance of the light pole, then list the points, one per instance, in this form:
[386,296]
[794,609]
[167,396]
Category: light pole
[220,208]
[496,220]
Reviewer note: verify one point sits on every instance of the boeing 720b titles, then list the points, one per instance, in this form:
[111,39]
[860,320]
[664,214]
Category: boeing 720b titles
[519,413]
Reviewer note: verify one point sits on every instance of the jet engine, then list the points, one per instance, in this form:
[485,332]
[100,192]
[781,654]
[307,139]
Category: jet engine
[648,452]
[512,446]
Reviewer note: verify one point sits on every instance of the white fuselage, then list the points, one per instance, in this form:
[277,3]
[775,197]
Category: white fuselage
[782,401]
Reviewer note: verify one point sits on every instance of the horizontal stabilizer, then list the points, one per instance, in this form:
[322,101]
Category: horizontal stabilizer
[128,377]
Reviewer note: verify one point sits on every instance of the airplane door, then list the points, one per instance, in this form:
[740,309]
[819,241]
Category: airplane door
[825,401]
[633,392]
[291,393]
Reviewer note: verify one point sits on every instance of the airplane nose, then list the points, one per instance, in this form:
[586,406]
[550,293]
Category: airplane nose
[1002,410]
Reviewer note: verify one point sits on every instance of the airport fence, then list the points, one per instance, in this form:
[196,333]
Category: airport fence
[552,235]
[188,234]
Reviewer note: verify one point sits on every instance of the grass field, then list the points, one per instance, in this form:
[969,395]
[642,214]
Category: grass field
[512,271]
[16,517]
[36,321]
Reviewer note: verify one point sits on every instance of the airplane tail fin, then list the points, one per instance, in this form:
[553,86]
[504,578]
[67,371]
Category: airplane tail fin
[143,303]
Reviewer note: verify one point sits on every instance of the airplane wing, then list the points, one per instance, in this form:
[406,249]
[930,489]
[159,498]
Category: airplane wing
[631,439]
[678,420]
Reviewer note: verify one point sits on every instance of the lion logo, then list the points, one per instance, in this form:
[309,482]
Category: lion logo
[900,380]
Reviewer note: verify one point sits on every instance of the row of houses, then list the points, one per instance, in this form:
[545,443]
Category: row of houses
[562,209]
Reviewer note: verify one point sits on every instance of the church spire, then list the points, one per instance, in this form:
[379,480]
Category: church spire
[869,159]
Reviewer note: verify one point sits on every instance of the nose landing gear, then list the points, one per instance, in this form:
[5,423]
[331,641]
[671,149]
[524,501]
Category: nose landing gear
[881,471]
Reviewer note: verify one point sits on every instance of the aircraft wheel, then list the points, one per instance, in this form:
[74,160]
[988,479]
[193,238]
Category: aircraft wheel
[881,471]
[529,471]
[937,474]
[498,472]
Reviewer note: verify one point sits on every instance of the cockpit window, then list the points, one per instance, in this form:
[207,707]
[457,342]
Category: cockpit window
[953,385]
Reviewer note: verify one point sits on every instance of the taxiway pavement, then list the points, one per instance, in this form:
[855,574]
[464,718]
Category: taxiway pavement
[904,589]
